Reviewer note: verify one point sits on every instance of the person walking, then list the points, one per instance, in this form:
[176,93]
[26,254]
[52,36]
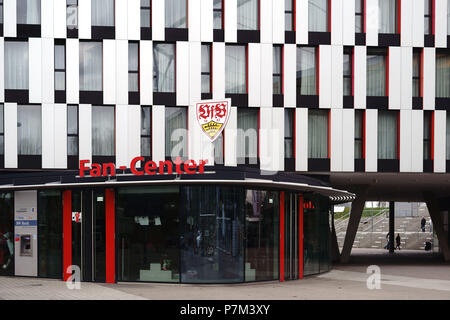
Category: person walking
[387,242]
[398,240]
[423,222]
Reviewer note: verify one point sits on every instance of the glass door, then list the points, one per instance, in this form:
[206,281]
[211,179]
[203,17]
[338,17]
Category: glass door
[291,241]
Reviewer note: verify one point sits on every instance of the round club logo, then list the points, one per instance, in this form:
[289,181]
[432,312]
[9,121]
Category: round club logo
[213,116]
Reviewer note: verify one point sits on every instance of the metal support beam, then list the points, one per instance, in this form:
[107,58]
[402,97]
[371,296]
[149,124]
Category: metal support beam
[391,226]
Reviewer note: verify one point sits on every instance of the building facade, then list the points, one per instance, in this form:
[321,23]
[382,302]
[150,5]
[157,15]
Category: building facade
[354,93]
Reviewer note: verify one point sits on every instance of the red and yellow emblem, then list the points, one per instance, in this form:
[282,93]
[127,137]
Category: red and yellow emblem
[212,117]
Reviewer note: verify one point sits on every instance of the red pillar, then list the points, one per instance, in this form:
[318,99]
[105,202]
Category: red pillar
[300,237]
[282,195]
[67,233]
[110,236]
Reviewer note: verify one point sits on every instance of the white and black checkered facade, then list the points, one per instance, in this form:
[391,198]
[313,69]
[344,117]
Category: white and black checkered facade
[330,45]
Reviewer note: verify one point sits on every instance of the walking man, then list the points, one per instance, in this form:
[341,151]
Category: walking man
[423,222]
[398,240]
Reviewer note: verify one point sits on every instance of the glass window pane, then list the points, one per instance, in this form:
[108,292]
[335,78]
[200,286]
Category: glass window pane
[247,134]
[60,80]
[72,146]
[306,71]
[442,75]
[133,82]
[60,57]
[146,121]
[318,15]
[236,69]
[387,135]
[206,83]
[1,119]
[29,130]
[28,11]
[91,66]
[72,14]
[102,13]
[387,16]
[7,229]
[217,20]
[16,65]
[218,150]
[176,132]
[376,75]
[164,67]
[72,119]
[206,58]
[103,139]
[176,14]
[146,147]
[248,14]
[289,26]
[318,134]
[2,145]
[145,18]
[289,115]
[277,84]
[133,57]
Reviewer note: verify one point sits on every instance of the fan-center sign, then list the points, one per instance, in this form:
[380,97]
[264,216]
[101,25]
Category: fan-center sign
[213,116]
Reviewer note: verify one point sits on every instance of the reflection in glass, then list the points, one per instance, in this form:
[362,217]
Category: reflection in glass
[318,134]
[318,16]
[248,14]
[176,13]
[164,67]
[103,135]
[235,69]
[6,234]
[29,130]
[306,71]
[91,66]
[16,65]
[376,74]
[103,13]
[387,134]
[28,11]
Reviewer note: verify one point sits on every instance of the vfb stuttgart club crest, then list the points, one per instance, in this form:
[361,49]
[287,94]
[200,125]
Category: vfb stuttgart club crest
[213,117]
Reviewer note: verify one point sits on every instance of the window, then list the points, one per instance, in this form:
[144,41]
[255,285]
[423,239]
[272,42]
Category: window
[448,17]
[388,12]
[133,66]
[442,74]
[2,130]
[176,132]
[359,134]
[247,134]
[91,66]
[318,16]
[16,65]
[146,13]
[206,68]
[28,11]
[428,27]
[359,16]
[164,67]
[103,131]
[29,130]
[318,134]
[277,70]
[348,72]
[376,72]
[72,130]
[218,14]
[1,11]
[235,69]
[248,14]
[218,150]
[387,134]
[289,133]
[60,67]
[102,13]
[417,70]
[146,132]
[289,15]
[176,14]
[306,71]
[448,135]
[427,134]
[72,14]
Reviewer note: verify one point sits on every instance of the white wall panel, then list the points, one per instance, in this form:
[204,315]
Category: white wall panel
[278,139]
[60,131]
[301,139]
[266,139]
[158,133]
[182,71]
[406,76]
[337,7]
[85,131]
[121,135]
[371,140]
[372,23]
[406,23]
[325,76]
[121,21]
[429,78]
[2,69]
[418,24]
[266,67]
[134,19]
[59,19]
[441,23]
[48,136]
[268,27]
[218,70]
[47,18]
[417,140]
[146,71]
[195,139]
[109,72]
[348,21]
[406,145]
[254,74]
[337,74]
[230,7]
[290,75]
[121,71]
[301,22]
[84,19]
[134,132]
[195,71]
[440,141]
[158,20]
[348,140]
[10,18]
[336,137]
[278,21]
[10,114]
[194,19]
[230,151]
[360,81]
[394,77]
[72,70]
[35,69]
[48,70]
[207,21]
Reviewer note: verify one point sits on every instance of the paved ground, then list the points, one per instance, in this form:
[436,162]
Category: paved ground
[406,275]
